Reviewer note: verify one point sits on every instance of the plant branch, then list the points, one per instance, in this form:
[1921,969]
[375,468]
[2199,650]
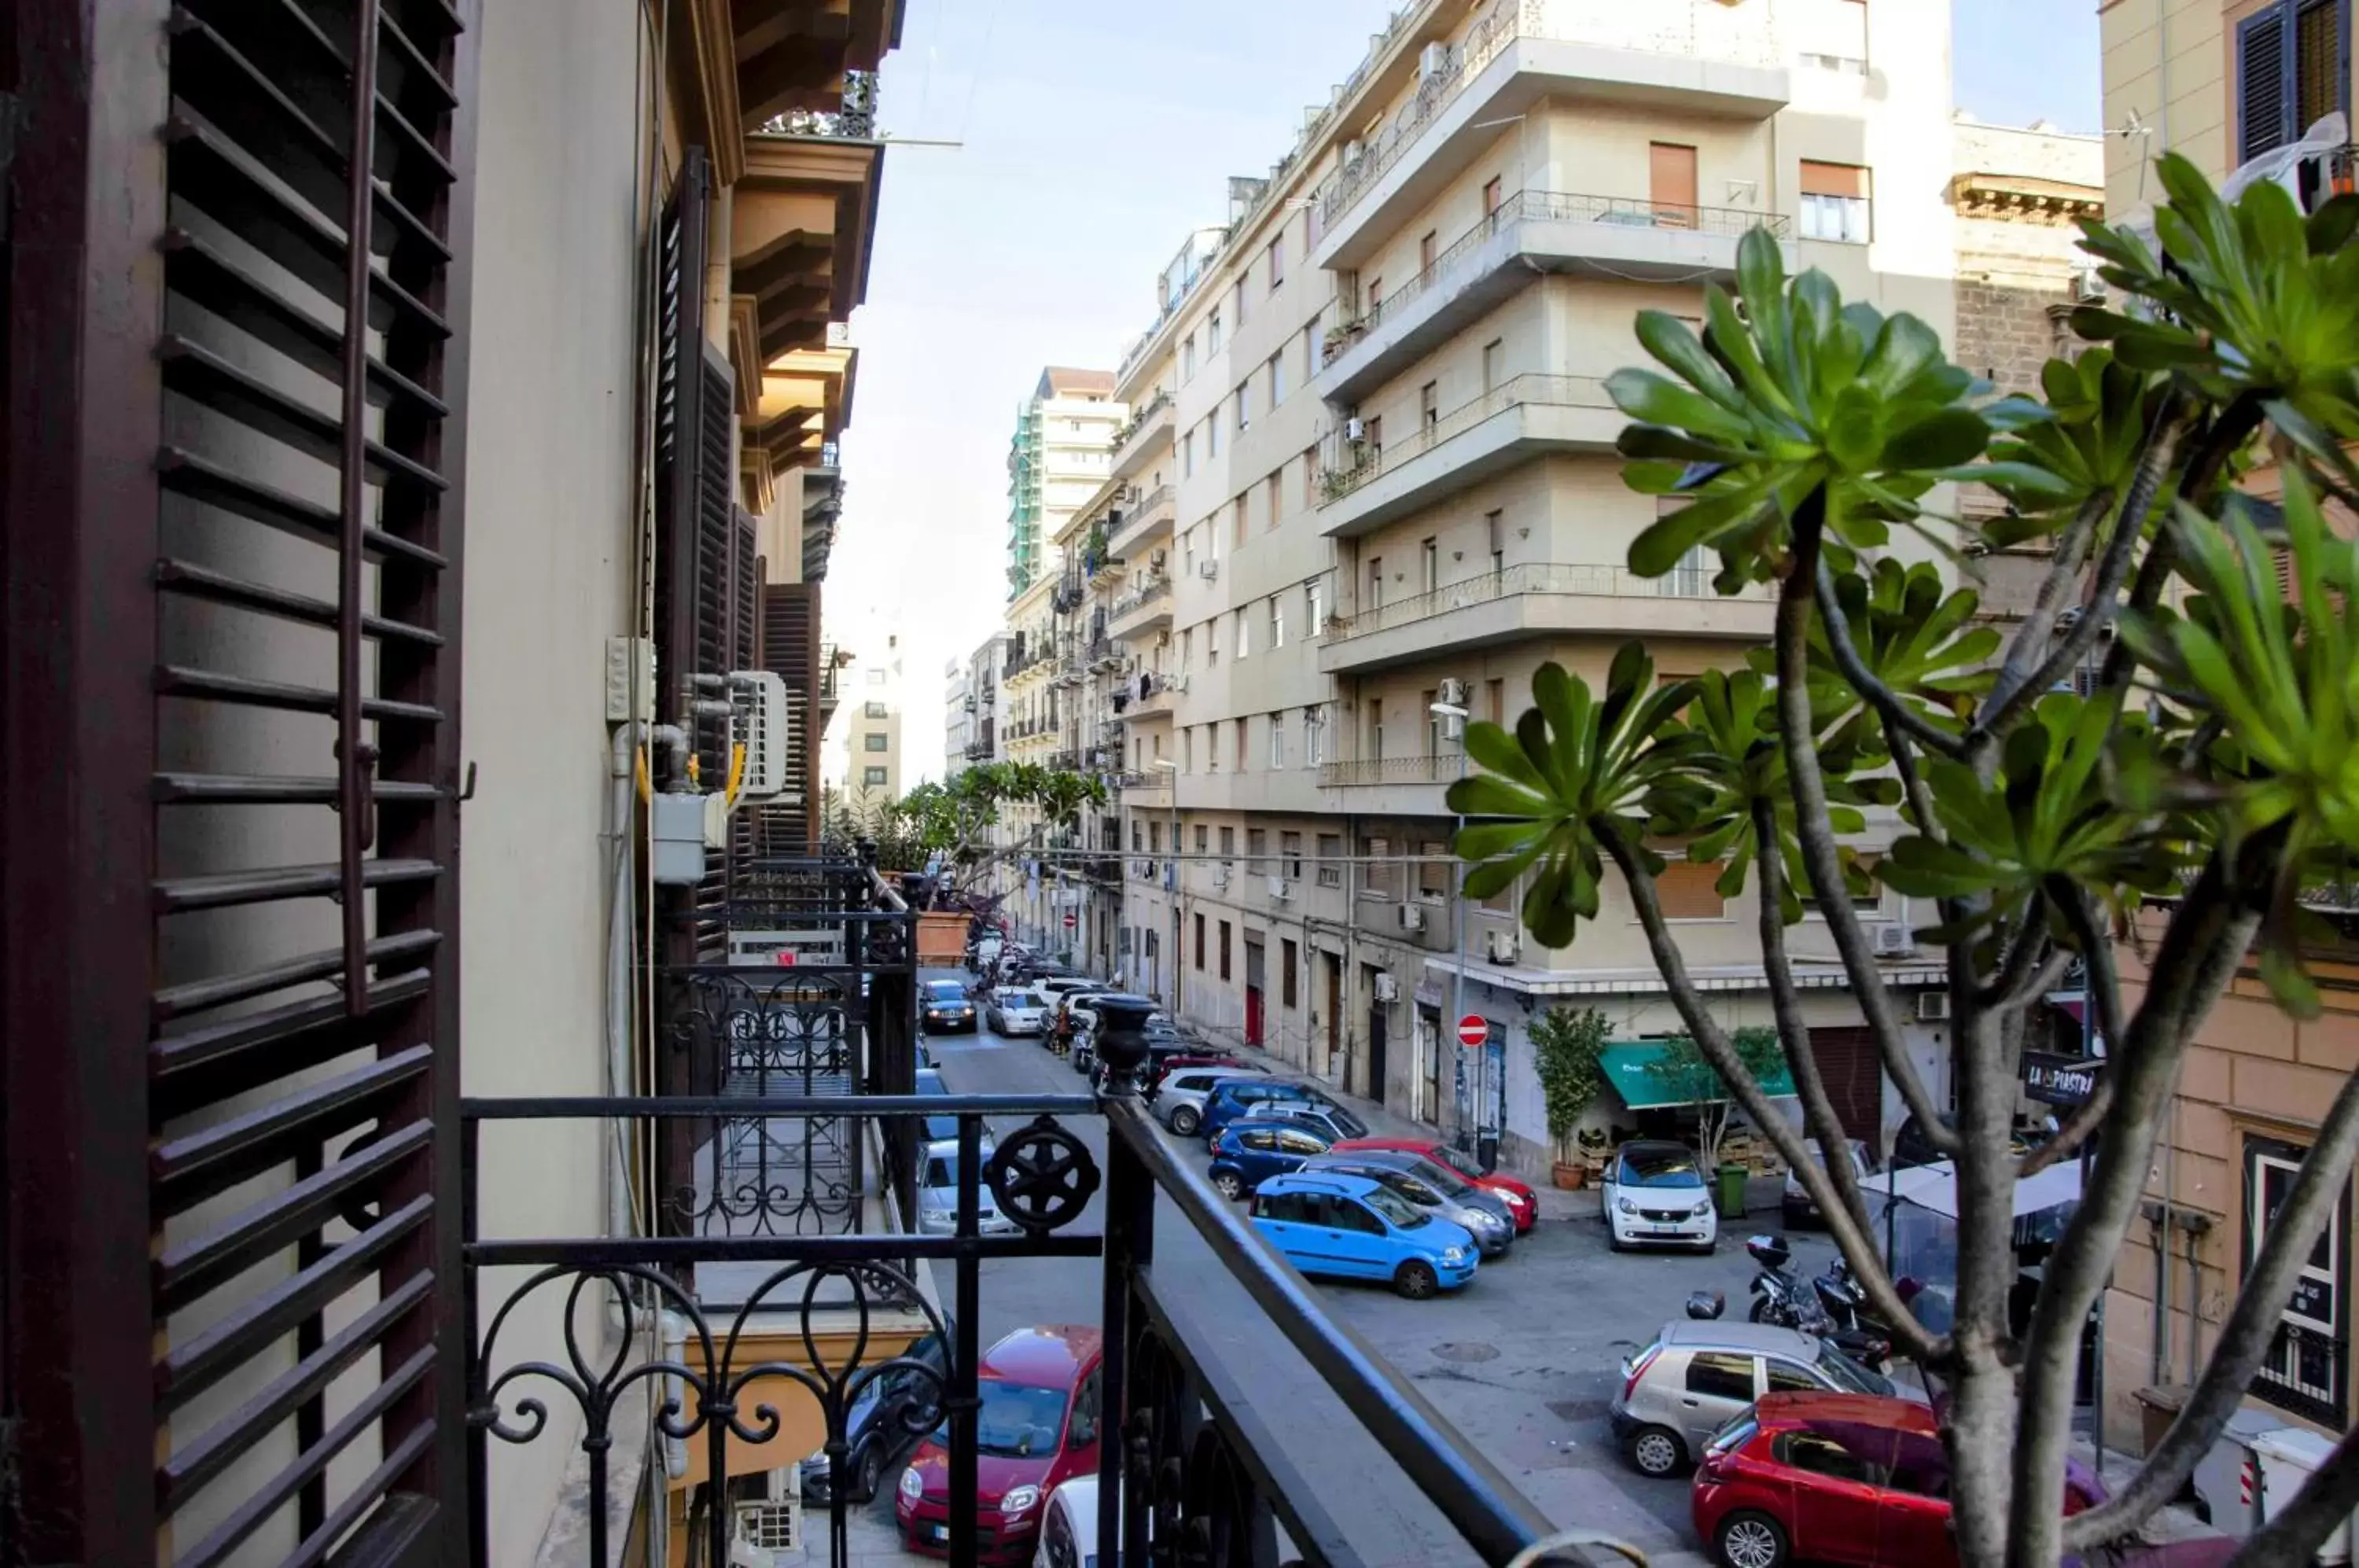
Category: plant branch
[2226,437]
[2105,994]
[2200,952]
[1786,1005]
[1821,858]
[1858,1246]
[2292,1539]
[2021,957]
[1895,714]
[2039,625]
[1912,786]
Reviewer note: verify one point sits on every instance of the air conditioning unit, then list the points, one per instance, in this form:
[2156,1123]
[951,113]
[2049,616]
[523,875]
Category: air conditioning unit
[1208,570]
[762,723]
[1387,989]
[2088,288]
[1504,946]
[1156,558]
[769,1528]
[1932,1007]
[1175,683]
[1355,429]
[1433,60]
[1280,890]
[1352,150]
[1894,941]
[1453,692]
[1412,918]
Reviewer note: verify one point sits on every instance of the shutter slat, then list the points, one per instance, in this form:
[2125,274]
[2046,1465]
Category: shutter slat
[2264,82]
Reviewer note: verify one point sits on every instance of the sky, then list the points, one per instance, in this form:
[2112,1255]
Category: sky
[1092,136]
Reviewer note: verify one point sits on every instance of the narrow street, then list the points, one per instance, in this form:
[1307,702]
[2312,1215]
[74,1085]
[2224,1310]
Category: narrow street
[1523,1362]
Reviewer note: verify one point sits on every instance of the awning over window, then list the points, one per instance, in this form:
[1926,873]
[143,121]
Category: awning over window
[1636,1073]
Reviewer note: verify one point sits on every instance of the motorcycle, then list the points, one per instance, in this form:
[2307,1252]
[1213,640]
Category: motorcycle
[1780,1299]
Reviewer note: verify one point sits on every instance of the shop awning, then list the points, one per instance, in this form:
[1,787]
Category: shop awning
[1635,1072]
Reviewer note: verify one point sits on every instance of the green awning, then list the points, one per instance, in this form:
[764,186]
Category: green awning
[1642,1074]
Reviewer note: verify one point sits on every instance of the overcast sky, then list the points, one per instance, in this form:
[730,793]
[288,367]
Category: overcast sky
[1096,134]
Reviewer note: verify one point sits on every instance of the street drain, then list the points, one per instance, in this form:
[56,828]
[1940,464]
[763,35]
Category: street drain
[1466,1351]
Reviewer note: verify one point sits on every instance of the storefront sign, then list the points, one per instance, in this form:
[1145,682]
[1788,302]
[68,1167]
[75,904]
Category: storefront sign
[2059,1080]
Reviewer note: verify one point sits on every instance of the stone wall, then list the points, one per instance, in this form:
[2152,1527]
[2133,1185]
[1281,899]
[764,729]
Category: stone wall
[2006,330]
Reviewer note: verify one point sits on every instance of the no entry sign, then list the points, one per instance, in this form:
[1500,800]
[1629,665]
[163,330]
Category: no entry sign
[1472,1031]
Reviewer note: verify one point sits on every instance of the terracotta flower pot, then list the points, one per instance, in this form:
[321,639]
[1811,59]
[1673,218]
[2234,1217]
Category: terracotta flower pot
[1571,1177]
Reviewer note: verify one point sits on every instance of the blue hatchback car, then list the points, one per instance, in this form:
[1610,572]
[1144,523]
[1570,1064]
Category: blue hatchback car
[1248,1095]
[1251,1149]
[1349,1227]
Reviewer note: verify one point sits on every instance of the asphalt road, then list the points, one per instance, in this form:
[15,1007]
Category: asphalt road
[1522,1361]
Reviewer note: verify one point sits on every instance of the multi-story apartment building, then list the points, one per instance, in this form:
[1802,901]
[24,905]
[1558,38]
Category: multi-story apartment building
[1056,460]
[959,718]
[1372,474]
[2222,82]
[868,762]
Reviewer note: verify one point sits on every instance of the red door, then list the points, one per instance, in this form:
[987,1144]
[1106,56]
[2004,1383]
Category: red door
[1916,1527]
[1838,1493]
[1252,1015]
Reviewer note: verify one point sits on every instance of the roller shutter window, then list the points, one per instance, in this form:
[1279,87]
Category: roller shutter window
[1836,202]
[2293,68]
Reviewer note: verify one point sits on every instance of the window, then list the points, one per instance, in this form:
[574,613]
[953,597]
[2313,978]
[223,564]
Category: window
[1378,882]
[1212,641]
[1137,836]
[876,678]
[1199,938]
[1331,856]
[1433,871]
[1309,349]
[873,777]
[1244,404]
[1187,750]
[1429,405]
[1277,622]
[873,710]
[1306,1146]
[1426,251]
[1213,746]
[1277,741]
[1273,494]
[1671,170]
[1243,641]
[1490,196]
[1787,1377]
[1685,890]
[1228,844]
[1376,729]
[1314,736]
[1276,255]
[1288,962]
[1314,608]
[1495,528]
[1716,1376]
[1277,379]
[1921,1465]
[1376,291]
[1494,701]
[1224,951]
[1866,895]
[1428,565]
[1212,334]
[1375,584]
[2291,72]
[876,740]
[1310,476]
[1823,1454]
[1213,433]
[1203,839]
[1187,357]
[1188,649]
[1290,851]
[1495,365]
[1237,535]
[2308,1367]
[1241,743]
[1834,203]
[1187,456]
[1241,299]
[1155,839]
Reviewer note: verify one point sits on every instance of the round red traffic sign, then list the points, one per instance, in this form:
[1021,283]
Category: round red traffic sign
[1073,920]
[1473,1030]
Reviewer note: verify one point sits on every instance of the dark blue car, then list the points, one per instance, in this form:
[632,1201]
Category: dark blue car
[1251,1150]
[1254,1096]
[929,1081]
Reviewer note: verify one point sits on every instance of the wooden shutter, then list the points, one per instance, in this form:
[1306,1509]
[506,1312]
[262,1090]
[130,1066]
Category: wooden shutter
[790,650]
[2264,85]
[1852,1071]
[1671,171]
[1685,890]
[233,542]
[1833,178]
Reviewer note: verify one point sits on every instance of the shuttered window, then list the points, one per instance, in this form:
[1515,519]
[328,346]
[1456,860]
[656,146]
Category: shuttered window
[2293,68]
[1686,891]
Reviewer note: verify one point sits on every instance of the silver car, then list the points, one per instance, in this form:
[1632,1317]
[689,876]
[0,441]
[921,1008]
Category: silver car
[938,1194]
[1679,1391]
[1016,1011]
[1179,1104]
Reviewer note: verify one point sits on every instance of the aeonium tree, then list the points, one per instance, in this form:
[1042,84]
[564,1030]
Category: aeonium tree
[2177,749]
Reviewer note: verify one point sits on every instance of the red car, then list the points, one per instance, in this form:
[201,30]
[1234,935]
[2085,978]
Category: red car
[1037,1427]
[1844,1478]
[1516,1195]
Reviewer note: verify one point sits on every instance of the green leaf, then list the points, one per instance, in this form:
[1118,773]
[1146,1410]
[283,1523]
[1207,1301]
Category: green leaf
[1942,439]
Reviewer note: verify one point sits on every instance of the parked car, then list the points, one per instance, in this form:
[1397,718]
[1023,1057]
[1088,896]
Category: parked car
[938,1195]
[929,1081]
[1165,1044]
[1038,1428]
[1017,1010]
[1840,1478]
[943,1005]
[1241,1096]
[1179,1102]
[1348,1227]
[1696,1377]
[889,1413]
[1083,1006]
[1656,1196]
[1251,1150]
[1068,1526]
[1162,1063]
[1799,1209]
[1513,1190]
[1431,1188]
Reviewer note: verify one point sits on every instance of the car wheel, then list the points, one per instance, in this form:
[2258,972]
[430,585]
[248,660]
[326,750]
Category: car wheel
[1614,1238]
[1760,1312]
[1416,1280]
[1749,1540]
[871,1474]
[1229,1184]
[1655,1451]
[1185,1120]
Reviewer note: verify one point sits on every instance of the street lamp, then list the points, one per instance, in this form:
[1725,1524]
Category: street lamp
[1171,878]
[1458,978]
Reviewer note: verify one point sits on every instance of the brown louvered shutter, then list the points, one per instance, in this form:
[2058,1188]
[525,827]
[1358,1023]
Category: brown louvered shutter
[232,889]
[2264,85]
[790,651]
[1687,893]
[745,653]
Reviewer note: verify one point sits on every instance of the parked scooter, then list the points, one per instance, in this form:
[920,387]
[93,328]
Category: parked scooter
[1778,1298]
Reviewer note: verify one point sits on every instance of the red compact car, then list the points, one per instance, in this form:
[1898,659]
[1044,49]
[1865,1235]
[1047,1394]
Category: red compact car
[1038,1427]
[1845,1478]
[1516,1193]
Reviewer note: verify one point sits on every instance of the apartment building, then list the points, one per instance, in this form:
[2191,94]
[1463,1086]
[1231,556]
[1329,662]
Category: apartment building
[1371,473]
[866,763]
[1056,460]
[2223,83]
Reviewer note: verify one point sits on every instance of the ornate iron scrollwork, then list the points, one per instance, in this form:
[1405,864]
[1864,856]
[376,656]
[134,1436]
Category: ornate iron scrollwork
[1043,1177]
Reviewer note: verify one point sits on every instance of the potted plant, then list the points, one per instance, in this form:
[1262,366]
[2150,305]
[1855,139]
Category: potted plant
[1566,1050]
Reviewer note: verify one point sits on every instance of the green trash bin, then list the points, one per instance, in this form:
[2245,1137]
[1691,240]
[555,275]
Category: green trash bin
[1732,1189]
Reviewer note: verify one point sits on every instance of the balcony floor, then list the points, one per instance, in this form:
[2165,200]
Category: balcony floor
[1516,433]
[1549,601]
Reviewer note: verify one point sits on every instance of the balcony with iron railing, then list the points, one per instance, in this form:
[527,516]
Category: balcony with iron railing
[1147,695]
[1516,422]
[854,120]
[1531,233]
[1146,608]
[1146,519]
[1547,600]
[1147,433]
[1699,57]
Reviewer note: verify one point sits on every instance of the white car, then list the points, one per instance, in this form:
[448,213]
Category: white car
[938,1194]
[1017,1009]
[1799,1209]
[1656,1195]
[1068,1526]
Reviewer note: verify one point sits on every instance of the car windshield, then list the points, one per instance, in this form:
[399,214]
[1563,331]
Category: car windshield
[1017,1421]
[1346,1122]
[1736,1434]
[1396,1208]
[1850,1374]
[1463,1164]
[1661,1166]
[1010,996]
[945,991]
[942,1170]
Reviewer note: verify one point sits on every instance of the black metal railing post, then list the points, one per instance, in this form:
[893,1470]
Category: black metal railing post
[1129,1247]
[964,1403]
[479,1508]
